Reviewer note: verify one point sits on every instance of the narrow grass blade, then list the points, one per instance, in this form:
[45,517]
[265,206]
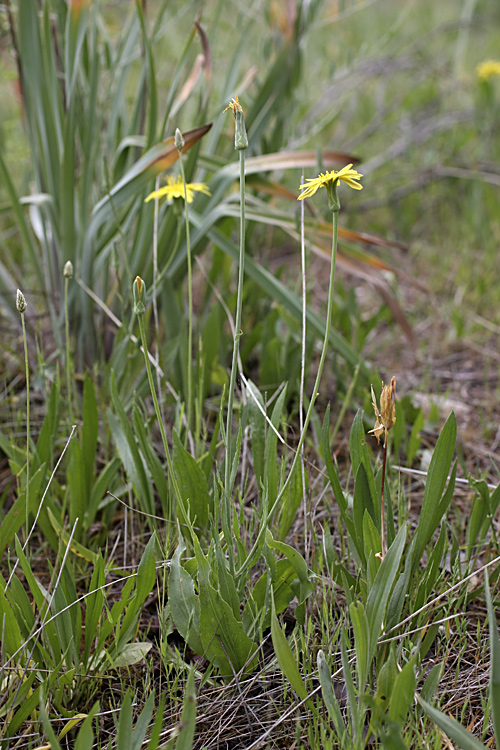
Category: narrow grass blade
[85,737]
[142,723]
[90,429]
[455,731]
[128,451]
[11,634]
[285,657]
[29,244]
[124,729]
[354,709]
[360,456]
[188,716]
[362,629]
[330,698]
[378,597]
[257,422]
[495,661]
[192,485]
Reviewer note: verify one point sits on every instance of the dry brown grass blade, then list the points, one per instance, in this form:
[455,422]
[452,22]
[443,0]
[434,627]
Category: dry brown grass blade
[363,269]
[298,159]
[170,155]
[207,53]
[325,230]
[187,89]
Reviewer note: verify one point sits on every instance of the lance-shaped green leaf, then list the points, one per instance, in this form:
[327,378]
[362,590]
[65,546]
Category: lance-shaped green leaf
[224,639]
[435,500]
[455,731]
[184,602]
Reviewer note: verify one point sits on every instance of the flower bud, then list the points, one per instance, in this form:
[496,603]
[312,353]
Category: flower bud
[21,301]
[240,133]
[139,290]
[68,270]
[179,140]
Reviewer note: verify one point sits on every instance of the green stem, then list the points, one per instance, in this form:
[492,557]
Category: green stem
[234,364]
[27,422]
[68,363]
[189,362]
[170,465]
[315,392]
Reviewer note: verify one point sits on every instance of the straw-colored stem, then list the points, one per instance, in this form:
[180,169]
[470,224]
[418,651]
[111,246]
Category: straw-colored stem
[189,363]
[382,502]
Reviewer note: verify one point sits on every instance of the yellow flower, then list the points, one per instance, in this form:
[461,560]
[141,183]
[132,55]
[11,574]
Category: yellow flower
[488,69]
[346,174]
[386,415]
[175,189]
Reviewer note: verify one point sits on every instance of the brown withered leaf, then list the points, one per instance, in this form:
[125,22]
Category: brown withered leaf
[170,155]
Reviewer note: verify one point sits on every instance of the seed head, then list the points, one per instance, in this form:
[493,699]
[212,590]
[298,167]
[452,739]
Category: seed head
[68,270]
[386,415]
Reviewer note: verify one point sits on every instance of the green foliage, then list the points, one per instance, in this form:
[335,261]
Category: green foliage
[205,601]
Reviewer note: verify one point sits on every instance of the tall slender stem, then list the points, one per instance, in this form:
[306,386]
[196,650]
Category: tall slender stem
[68,356]
[27,422]
[152,388]
[315,392]
[234,364]
[305,498]
[189,363]
[382,500]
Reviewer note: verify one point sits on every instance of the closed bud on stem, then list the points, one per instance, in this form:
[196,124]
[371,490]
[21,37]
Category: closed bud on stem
[139,289]
[68,270]
[240,133]
[21,301]
[179,140]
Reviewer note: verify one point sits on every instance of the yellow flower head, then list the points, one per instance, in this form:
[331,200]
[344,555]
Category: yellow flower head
[488,69]
[346,174]
[386,415]
[175,189]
